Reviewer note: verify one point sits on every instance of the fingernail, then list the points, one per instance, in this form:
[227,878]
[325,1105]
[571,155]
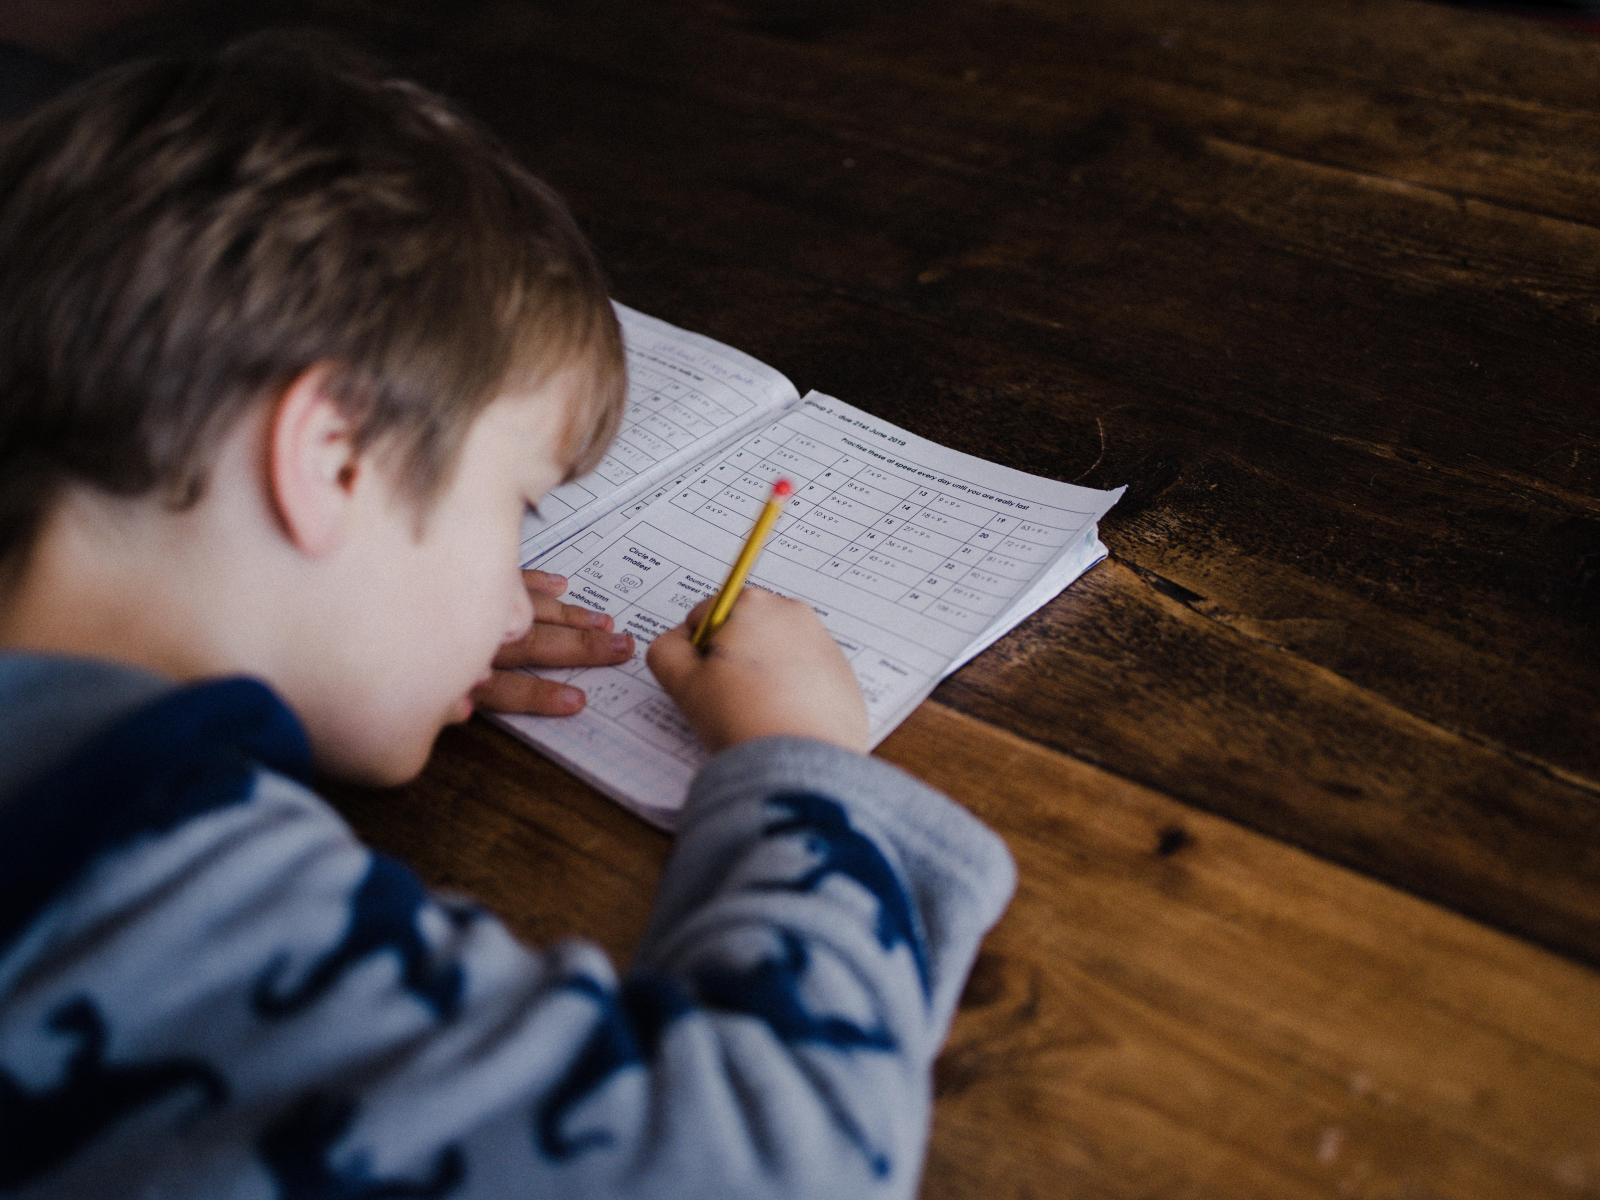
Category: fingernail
[621,643]
[571,698]
[601,620]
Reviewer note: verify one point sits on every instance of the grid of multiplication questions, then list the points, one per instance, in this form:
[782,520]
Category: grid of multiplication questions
[958,558]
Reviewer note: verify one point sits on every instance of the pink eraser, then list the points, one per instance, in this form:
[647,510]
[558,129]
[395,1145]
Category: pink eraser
[782,487]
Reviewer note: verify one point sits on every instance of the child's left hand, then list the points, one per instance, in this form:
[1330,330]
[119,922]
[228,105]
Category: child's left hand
[562,635]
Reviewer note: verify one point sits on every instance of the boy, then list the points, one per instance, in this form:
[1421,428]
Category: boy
[286,348]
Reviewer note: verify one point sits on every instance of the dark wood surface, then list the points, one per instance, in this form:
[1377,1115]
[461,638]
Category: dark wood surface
[1304,781]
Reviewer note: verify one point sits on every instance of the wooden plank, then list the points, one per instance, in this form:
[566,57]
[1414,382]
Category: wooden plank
[1163,694]
[1469,103]
[1177,1007]
[1172,1006]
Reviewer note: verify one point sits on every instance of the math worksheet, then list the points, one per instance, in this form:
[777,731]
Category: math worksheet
[915,556]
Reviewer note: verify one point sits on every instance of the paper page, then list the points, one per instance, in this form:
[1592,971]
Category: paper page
[914,555]
[687,394]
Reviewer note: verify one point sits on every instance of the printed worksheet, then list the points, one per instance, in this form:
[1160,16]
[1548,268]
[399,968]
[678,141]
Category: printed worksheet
[687,394]
[915,556]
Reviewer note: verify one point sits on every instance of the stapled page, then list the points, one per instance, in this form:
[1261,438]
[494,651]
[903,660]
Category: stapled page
[914,555]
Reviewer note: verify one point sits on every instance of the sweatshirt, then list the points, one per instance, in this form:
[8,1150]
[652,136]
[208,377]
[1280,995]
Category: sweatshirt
[210,987]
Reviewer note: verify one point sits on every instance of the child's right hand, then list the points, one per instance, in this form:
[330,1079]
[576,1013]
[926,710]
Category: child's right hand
[773,668]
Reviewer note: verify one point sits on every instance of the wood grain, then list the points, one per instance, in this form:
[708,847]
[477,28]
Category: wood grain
[1354,407]
[1305,783]
[1173,1005]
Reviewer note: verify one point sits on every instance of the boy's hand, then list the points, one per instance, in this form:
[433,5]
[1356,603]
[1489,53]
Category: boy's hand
[562,635]
[773,668]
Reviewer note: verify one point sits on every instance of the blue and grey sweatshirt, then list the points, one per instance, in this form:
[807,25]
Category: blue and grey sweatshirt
[210,988]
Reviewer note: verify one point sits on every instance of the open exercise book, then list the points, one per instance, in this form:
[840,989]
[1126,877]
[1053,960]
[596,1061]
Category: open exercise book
[916,556]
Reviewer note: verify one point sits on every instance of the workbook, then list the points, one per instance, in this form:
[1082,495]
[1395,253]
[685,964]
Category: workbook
[915,556]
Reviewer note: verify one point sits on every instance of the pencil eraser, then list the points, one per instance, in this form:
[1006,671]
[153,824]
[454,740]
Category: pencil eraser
[782,487]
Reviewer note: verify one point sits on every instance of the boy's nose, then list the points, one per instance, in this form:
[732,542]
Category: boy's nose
[521,618]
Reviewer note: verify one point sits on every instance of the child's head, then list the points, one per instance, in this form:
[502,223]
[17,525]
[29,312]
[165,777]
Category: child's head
[185,243]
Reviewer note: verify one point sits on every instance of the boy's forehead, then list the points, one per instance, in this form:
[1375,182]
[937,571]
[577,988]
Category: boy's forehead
[540,418]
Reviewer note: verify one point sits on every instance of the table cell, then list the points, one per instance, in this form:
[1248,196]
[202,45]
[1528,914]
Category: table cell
[848,467]
[626,569]
[872,581]
[849,645]
[872,497]
[807,556]
[613,692]
[614,471]
[673,435]
[723,517]
[573,555]
[658,721]
[942,523]
[953,614]
[896,569]
[644,625]
[708,409]
[1027,552]
[895,485]
[825,518]
[806,534]
[884,681]
[795,465]
[639,447]
[707,486]
[689,501]
[840,503]
[592,596]
[965,510]
[921,557]
[674,596]
[1044,535]
[970,597]
[687,419]
[941,544]
[741,502]
[988,581]
[1008,568]
[811,448]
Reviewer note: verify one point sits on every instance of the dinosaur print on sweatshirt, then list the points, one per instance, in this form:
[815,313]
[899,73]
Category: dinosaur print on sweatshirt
[383,919]
[40,1129]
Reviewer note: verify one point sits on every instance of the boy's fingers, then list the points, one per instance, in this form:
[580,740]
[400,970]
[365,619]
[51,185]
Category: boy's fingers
[514,691]
[547,610]
[544,583]
[563,646]
[671,656]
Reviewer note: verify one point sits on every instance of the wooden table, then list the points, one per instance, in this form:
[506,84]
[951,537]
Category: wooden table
[1304,782]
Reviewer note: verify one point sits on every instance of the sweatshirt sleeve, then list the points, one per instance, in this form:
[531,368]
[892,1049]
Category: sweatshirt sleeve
[262,1006]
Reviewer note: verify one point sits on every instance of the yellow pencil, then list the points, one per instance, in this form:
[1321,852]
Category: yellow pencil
[723,604]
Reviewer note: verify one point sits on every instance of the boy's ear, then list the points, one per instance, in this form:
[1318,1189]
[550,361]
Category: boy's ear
[312,464]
